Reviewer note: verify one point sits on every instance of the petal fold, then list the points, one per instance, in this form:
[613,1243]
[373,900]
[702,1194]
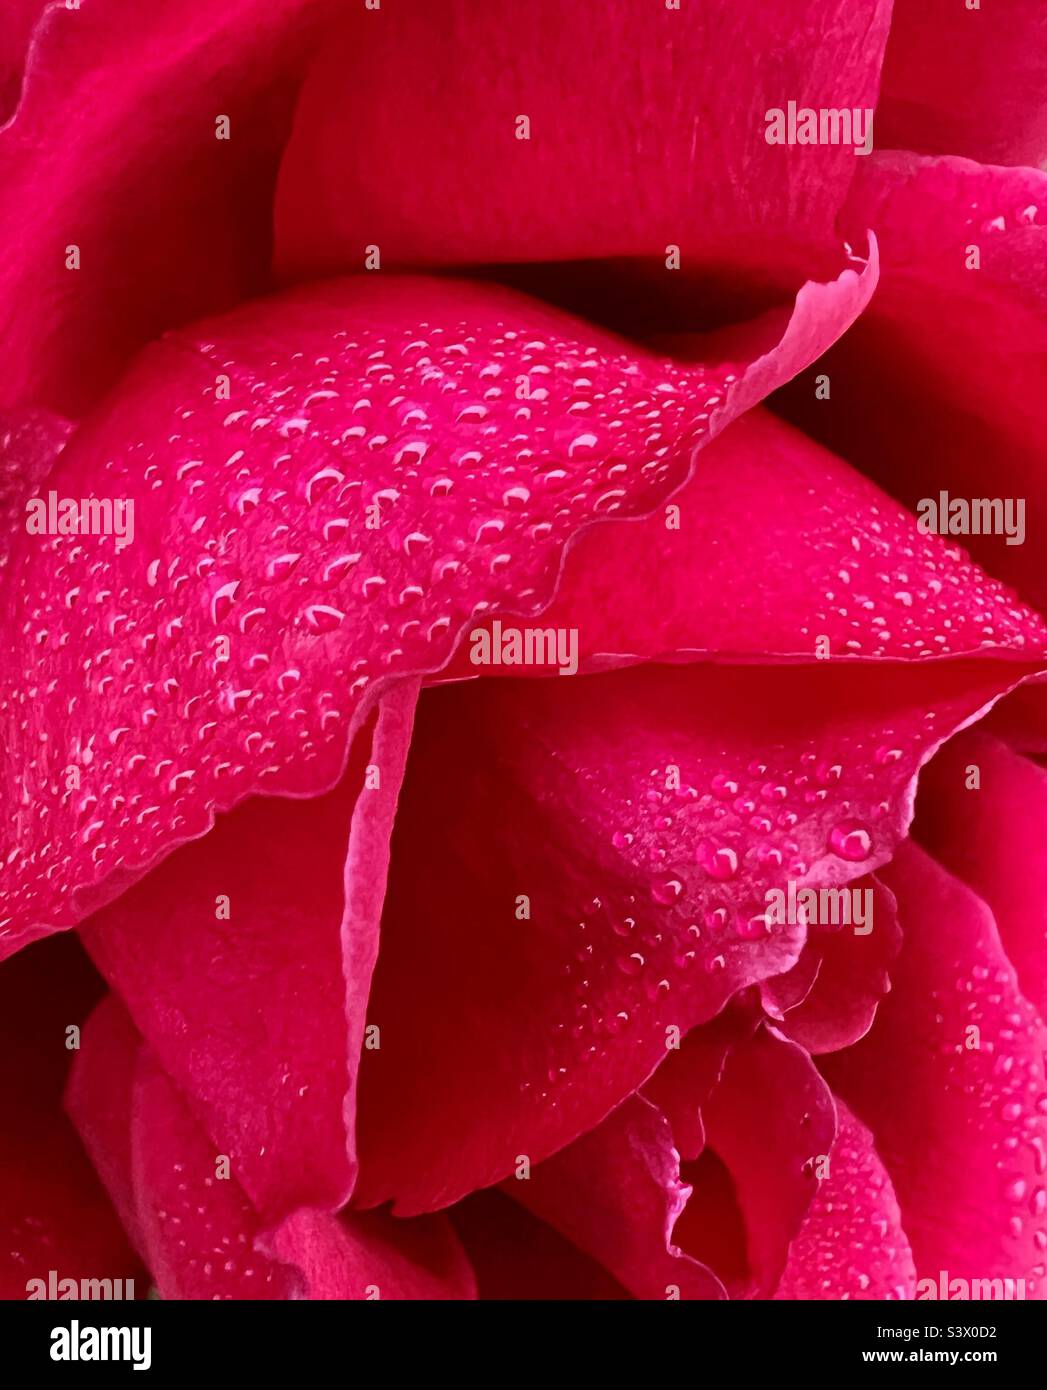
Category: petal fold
[851,1244]
[55,1217]
[125,205]
[963,1135]
[495,134]
[251,987]
[322,492]
[198,1231]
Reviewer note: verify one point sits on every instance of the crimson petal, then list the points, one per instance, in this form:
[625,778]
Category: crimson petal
[238,642]
[851,1243]
[199,1233]
[957,349]
[54,1215]
[964,1139]
[643,815]
[838,982]
[771,1122]
[252,996]
[966,80]
[639,126]
[113,149]
[991,835]
[616,1194]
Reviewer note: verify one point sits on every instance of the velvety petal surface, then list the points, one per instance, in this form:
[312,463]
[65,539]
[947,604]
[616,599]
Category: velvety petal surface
[616,1194]
[982,812]
[116,149]
[199,1233]
[851,1244]
[594,856]
[841,976]
[326,489]
[54,1214]
[962,1131]
[251,987]
[966,80]
[693,1069]
[647,128]
[771,1122]
[30,442]
[776,548]
[17,21]
[944,373]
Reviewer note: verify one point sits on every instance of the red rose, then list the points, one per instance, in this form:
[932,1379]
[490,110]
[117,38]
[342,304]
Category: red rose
[432,973]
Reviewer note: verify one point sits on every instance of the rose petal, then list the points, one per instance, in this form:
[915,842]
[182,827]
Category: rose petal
[770,1122]
[30,442]
[778,549]
[616,1193]
[992,837]
[966,80]
[17,20]
[957,353]
[689,1074]
[516,1256]
[201,1236]
[371,1256]
[54,1215]
[851,1243]
[647,900]
[639,126]
[851,977]
[210,659]
[114,149]
[99,1098]
[964,1139]
[252,987]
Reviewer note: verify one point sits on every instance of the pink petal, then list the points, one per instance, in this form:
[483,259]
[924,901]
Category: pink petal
[252,987]
[780,547]
[372,1256]
[951,1083]
[770,1122]
[616,1194]
[99,1099]
[516,1256]
[967,81]
[944,372]
[850,978]
[252,529]
[113,149]
[647,128]
[992,837]
[647,902]
[30,442]
[198,1229]
[690,1073]
[54,1215]
[200,1235]
[851,1243]
[17,19]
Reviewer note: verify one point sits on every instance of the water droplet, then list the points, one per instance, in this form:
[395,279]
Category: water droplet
[851,841]
[718,861]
